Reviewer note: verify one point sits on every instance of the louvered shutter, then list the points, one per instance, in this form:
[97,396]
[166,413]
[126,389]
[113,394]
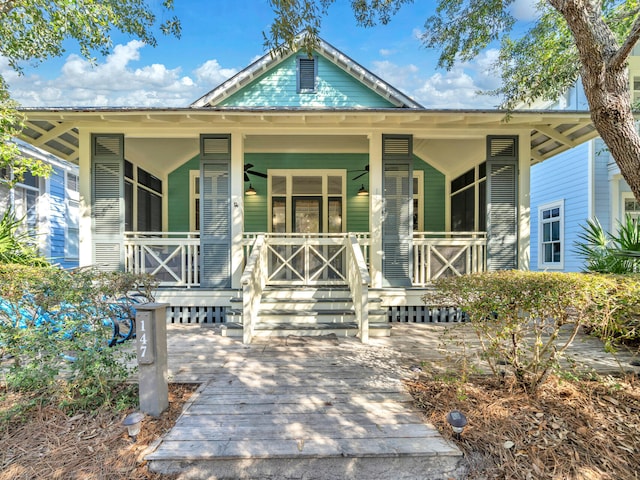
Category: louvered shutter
[306,74]
[107,186]
[215,211]
[397,220]
[502,203]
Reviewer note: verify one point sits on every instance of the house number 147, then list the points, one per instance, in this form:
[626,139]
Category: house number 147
[144,338]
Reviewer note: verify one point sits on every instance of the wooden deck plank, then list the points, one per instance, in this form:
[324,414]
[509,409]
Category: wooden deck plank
[299,448]
[315,398]
[296,431]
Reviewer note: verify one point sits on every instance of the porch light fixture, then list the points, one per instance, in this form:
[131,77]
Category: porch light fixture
[133,422]
[250,190]
[363,191]
[458,421]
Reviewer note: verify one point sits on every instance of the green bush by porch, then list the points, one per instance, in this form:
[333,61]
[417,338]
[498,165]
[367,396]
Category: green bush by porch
[518,315]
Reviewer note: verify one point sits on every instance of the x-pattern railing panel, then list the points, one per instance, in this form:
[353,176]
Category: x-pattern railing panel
[306,261]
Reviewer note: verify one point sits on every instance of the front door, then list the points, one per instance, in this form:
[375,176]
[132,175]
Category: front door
[307,214]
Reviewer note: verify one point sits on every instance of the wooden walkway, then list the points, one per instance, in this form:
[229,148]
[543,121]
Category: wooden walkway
[313,407]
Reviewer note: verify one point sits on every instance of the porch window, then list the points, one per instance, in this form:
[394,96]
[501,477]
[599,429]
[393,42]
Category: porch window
[631,207]
[307,201]
[194,200]
[72,235]
[551,221]
[142,199]
[469,200]
[418,201]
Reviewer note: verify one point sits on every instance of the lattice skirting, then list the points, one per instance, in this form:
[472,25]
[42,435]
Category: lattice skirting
[404,314]
[202,315]
[424,314]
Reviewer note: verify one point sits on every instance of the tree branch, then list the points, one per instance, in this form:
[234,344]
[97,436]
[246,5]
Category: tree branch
[621,55]
[6,6]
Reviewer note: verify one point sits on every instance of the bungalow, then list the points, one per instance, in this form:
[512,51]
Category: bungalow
[304,194]
[47,206]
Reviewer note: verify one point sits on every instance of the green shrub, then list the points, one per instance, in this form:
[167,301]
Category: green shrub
[605,252]
[15,246]
[518,316]
[54,328]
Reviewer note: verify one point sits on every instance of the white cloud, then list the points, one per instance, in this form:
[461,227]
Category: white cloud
[212,73]
[115,82]
[454,89]
[402,77]
[385,52]
[525,10]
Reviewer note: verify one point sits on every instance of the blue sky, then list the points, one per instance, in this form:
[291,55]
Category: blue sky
[221,37]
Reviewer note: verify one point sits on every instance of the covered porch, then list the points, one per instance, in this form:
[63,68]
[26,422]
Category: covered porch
[226,205]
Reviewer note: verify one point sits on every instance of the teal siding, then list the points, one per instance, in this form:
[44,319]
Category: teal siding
[278,88]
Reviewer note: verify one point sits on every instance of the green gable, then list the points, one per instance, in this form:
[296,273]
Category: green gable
[278,87]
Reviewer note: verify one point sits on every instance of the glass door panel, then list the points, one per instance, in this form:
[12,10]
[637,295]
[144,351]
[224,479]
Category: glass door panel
[307,214]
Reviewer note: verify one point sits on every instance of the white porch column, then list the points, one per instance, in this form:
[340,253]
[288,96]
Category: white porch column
[237,207]
[375,208]
[524,200]
[84,180]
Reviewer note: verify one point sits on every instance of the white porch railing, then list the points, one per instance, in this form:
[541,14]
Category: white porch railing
[171,257]
[302,259]
[253,282]
[441,254]
[359,280]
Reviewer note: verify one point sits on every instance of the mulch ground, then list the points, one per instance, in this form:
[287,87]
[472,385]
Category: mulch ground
[582,430]
[52,445]
[576,430]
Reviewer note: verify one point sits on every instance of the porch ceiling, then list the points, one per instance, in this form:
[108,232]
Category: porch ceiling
[57,129]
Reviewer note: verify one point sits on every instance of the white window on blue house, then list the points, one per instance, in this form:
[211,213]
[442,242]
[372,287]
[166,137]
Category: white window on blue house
[22,199]
[72,235]
[307,72]
[551,227]
[25,203]
[631,207]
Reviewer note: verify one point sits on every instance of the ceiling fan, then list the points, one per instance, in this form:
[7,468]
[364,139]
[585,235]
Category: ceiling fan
[364,171]
[248,171]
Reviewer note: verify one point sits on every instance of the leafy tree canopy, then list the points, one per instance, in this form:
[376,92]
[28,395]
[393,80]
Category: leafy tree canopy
[587,39]
[36,30]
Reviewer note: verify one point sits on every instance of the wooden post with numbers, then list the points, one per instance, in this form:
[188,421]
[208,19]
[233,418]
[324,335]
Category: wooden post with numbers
[151,349]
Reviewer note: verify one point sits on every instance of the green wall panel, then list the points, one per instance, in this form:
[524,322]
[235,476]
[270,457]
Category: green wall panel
[278,87]
[256,206]
[434,196]
[178,191]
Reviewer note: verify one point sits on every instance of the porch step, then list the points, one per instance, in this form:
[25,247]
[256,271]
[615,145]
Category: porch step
[283,315]
[347,329]
[307,311]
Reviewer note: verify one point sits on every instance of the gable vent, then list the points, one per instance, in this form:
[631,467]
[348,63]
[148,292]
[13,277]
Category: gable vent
[107,146]
[502,147]
[307,73]
[396,146]
[216,145]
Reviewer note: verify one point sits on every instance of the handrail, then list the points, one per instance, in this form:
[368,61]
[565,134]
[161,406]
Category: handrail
[358,279]
[253,280]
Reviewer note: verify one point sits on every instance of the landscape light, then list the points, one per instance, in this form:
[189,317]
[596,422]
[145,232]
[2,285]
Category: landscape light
[133,422]
[457,420]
